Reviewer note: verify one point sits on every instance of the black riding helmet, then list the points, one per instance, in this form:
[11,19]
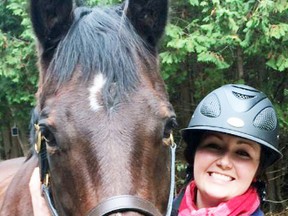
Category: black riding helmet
[238,110]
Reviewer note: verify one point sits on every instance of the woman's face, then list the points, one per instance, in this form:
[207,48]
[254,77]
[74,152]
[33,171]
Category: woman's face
[224,167]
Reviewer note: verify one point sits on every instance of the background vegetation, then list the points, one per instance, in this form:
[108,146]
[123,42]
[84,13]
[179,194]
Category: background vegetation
[207,44]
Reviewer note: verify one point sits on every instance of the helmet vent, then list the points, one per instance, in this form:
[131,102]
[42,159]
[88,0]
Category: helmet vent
[242,96]
[211,107]
[266,119]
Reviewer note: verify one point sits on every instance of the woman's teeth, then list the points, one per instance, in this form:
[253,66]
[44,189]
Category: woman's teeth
[221,177]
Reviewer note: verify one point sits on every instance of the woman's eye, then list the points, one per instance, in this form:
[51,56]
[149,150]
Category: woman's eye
[243,153]
[213,146]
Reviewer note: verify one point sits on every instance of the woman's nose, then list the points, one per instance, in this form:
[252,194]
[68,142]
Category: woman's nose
[224,162]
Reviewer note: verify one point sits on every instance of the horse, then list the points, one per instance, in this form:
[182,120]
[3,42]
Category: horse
[101,128]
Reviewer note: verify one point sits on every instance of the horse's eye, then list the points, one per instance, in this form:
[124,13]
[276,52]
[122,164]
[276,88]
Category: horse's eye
[170,125]
[48,136]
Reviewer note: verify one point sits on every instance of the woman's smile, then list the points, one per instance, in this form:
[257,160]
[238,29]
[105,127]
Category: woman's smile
[220,177]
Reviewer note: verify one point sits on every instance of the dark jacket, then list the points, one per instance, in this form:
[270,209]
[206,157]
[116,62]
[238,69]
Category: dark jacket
[258,212]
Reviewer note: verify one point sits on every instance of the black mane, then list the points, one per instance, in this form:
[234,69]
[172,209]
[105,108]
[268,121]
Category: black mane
[100,41]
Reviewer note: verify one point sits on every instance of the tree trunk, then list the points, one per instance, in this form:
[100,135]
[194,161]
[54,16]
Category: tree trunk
[240,69]
[23,139]
[271,191]
[11,145]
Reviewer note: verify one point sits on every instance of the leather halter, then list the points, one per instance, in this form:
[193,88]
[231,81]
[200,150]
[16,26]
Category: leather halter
[121,203]
[125,202]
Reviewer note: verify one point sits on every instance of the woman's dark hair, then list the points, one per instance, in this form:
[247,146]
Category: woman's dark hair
[191,145]
[189,152]
[261,177]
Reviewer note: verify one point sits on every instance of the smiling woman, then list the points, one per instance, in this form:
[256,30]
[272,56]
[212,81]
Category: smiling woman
[231,139]
[220,168]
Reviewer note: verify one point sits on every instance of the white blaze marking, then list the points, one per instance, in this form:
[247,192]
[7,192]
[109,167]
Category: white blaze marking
[98,84]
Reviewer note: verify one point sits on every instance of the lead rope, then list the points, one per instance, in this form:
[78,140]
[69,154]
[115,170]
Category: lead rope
[47,196]
[172,175]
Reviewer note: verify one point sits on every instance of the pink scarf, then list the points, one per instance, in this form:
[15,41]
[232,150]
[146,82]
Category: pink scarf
[244,204]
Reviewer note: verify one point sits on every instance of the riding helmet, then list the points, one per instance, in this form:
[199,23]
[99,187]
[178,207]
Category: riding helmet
[238,110]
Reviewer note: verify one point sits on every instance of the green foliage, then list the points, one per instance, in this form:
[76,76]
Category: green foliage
[224,36]
[258,28]
[213,57]
[278,61]
[18,74]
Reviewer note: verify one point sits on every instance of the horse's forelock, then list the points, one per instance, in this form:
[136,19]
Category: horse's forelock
[100,41]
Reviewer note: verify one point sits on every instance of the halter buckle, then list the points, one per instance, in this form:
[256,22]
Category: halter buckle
[39,138]
[46,180]
[169,141]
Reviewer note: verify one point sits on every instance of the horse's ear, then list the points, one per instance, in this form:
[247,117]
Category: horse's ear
[148,17]
[51,21]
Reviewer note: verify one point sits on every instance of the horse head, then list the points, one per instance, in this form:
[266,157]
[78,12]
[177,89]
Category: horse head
[103,113]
